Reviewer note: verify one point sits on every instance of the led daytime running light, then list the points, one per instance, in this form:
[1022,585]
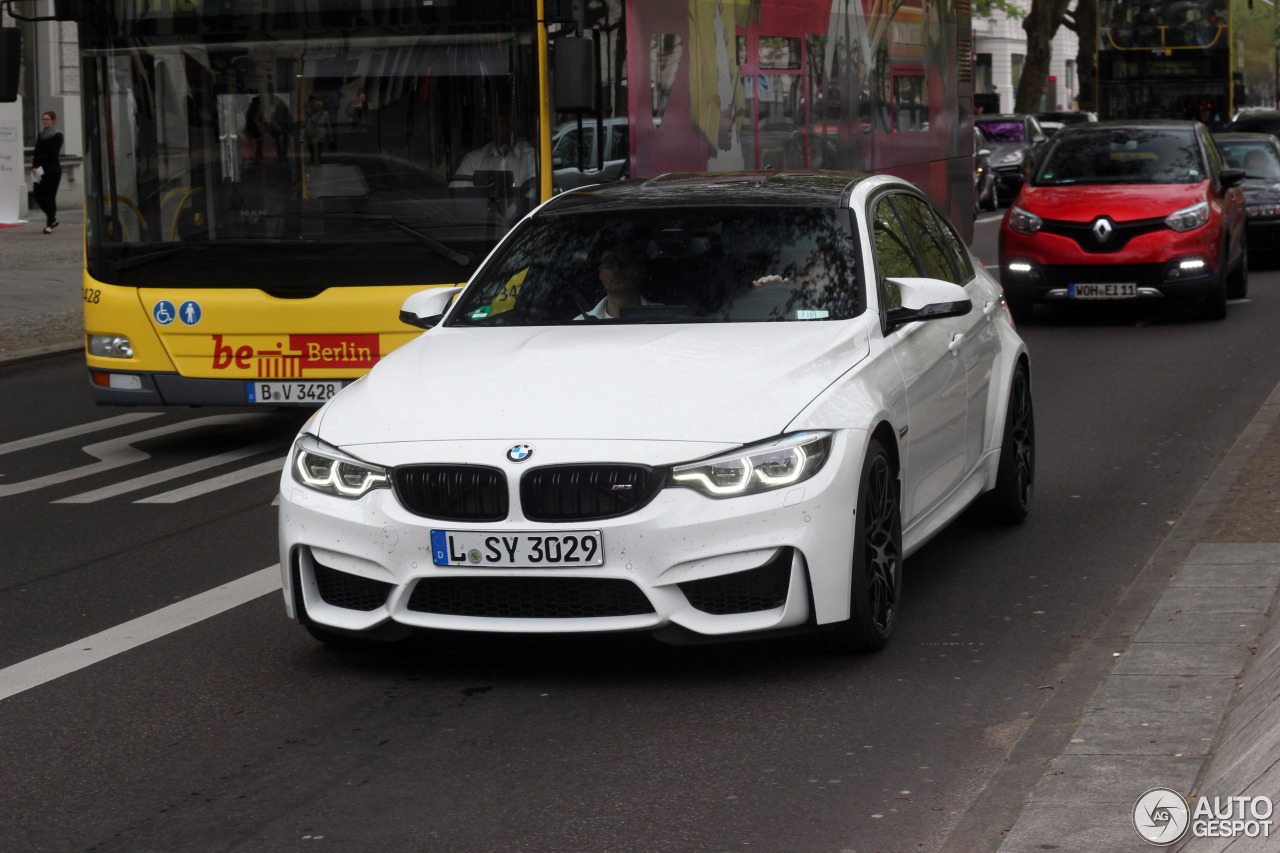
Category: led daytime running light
[758,468]
[338,475]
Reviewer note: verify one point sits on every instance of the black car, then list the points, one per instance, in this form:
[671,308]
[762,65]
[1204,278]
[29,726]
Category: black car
[1014,140]
[1259,155]
[1256,121]
[984,178]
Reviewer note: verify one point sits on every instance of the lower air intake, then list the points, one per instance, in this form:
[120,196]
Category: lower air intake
[751,591]
[351,592]
[529,598]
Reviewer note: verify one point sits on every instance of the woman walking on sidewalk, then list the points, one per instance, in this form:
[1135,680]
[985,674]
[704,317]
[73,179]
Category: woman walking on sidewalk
[46,169]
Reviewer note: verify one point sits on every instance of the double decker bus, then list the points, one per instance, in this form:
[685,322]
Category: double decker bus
[1187,59]
[268,180]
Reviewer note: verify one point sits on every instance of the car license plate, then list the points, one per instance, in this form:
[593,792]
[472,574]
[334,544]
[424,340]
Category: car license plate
[1121,290]
[524,549]
[292,392]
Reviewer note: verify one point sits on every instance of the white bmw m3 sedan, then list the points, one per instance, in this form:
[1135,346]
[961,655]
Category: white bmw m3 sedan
[696,405]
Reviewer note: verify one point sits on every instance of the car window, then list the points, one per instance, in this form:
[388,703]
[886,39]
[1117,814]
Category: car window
[933,256]
[951,240]
[1036,129]
[1122,155]
[683,265]
[1258,159]
[1211,150]
[566,149]
[1010,130]
[619,147]
[895,257]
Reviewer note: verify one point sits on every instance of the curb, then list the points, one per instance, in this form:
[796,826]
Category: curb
[991,817]
[46,351]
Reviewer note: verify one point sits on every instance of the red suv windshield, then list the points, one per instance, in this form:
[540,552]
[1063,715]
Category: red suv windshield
[1123,156]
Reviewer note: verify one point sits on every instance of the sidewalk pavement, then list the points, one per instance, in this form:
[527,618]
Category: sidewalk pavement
[1188,661]
[40,286]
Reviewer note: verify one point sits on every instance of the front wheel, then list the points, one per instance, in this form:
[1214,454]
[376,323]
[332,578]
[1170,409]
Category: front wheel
[876,571]
[1238,284]
[1010,500]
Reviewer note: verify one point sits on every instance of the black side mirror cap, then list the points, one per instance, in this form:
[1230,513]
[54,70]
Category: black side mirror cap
[1231,178]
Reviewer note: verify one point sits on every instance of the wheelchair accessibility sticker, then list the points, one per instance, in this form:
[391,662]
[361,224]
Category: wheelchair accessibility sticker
[163,312]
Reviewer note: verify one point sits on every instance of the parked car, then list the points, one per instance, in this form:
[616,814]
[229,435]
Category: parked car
[566,174]
[1014,140]
[1065,117]
[1126,211]
[1258,154]
[985,191]
[694,405]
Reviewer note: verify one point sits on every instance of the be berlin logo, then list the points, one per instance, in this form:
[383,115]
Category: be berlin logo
[1162,817]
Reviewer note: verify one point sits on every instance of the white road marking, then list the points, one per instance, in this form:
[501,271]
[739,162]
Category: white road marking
[990,217]
[71,432]
[118,452]
[168,474]
[213,484]
[74,656]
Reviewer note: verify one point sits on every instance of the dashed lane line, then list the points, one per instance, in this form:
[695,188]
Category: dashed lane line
[75,656]
[168,474]
[72,432]
[275,466]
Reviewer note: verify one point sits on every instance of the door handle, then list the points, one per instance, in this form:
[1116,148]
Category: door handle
[991,307]
[956,340]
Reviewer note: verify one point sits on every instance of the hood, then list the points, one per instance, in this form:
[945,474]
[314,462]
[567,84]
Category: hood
[1261,191]
[1000,150]
[721,382]
[1121,202]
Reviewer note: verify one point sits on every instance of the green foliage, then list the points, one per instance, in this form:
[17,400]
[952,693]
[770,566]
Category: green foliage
[989,8]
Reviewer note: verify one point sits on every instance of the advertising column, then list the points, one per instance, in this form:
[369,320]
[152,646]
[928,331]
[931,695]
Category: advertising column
[13,186]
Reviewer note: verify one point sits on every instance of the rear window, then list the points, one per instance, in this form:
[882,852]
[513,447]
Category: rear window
[1003,131]
[1123,156]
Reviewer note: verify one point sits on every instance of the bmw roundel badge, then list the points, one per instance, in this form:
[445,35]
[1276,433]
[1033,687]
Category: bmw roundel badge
[520,452]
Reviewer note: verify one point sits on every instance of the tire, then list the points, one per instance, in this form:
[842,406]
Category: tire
[1238,284]
[1010,500]
[876,582]
[1214,306]
[992,201]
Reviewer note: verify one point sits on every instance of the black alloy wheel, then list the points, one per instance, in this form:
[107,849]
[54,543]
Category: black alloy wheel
[1010,501]
[1238,284]
[876,576]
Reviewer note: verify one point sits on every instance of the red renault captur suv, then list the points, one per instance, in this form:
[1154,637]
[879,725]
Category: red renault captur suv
[1127,211]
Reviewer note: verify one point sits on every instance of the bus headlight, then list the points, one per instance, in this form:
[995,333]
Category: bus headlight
[110,346]
[327,469]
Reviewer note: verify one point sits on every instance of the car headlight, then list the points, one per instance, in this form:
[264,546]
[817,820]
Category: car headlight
[1024,222]
[110,346]
[1011,158]
[773,464]
[327,469]
[1189,217]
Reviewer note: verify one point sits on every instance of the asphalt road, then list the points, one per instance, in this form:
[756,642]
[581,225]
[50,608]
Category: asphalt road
[241,733]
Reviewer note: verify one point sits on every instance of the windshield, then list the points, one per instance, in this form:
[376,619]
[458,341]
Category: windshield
[1258,159]
[1003,131]
[1161,23]
[1123,156]
[288,160]
[692,265]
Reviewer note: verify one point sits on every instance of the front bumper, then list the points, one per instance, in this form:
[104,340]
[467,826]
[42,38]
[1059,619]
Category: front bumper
[1154,262]
[758,563]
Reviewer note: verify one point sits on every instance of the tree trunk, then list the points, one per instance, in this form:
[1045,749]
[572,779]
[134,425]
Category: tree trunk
[1041,24]
[1086,16]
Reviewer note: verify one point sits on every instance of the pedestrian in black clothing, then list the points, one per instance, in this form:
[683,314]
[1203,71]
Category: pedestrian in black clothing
[46,169]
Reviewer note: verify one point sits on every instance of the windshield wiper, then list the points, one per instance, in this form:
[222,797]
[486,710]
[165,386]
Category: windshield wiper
[462,259]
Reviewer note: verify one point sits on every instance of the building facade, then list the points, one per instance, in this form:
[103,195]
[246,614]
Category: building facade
[1000,48]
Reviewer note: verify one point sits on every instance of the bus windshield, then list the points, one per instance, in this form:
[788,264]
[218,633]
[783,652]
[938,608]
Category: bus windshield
[287,160]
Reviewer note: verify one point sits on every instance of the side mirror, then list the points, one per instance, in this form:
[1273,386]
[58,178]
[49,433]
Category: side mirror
[1039,139]
[1231,178]
[927,299]
[426,308]
[984,152]
[557,162]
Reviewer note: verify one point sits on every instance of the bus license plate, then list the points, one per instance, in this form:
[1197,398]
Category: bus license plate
[277,393]
[523,549]
[1122,290]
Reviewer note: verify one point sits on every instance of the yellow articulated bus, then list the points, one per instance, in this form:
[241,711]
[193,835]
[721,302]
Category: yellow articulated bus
[267,182]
